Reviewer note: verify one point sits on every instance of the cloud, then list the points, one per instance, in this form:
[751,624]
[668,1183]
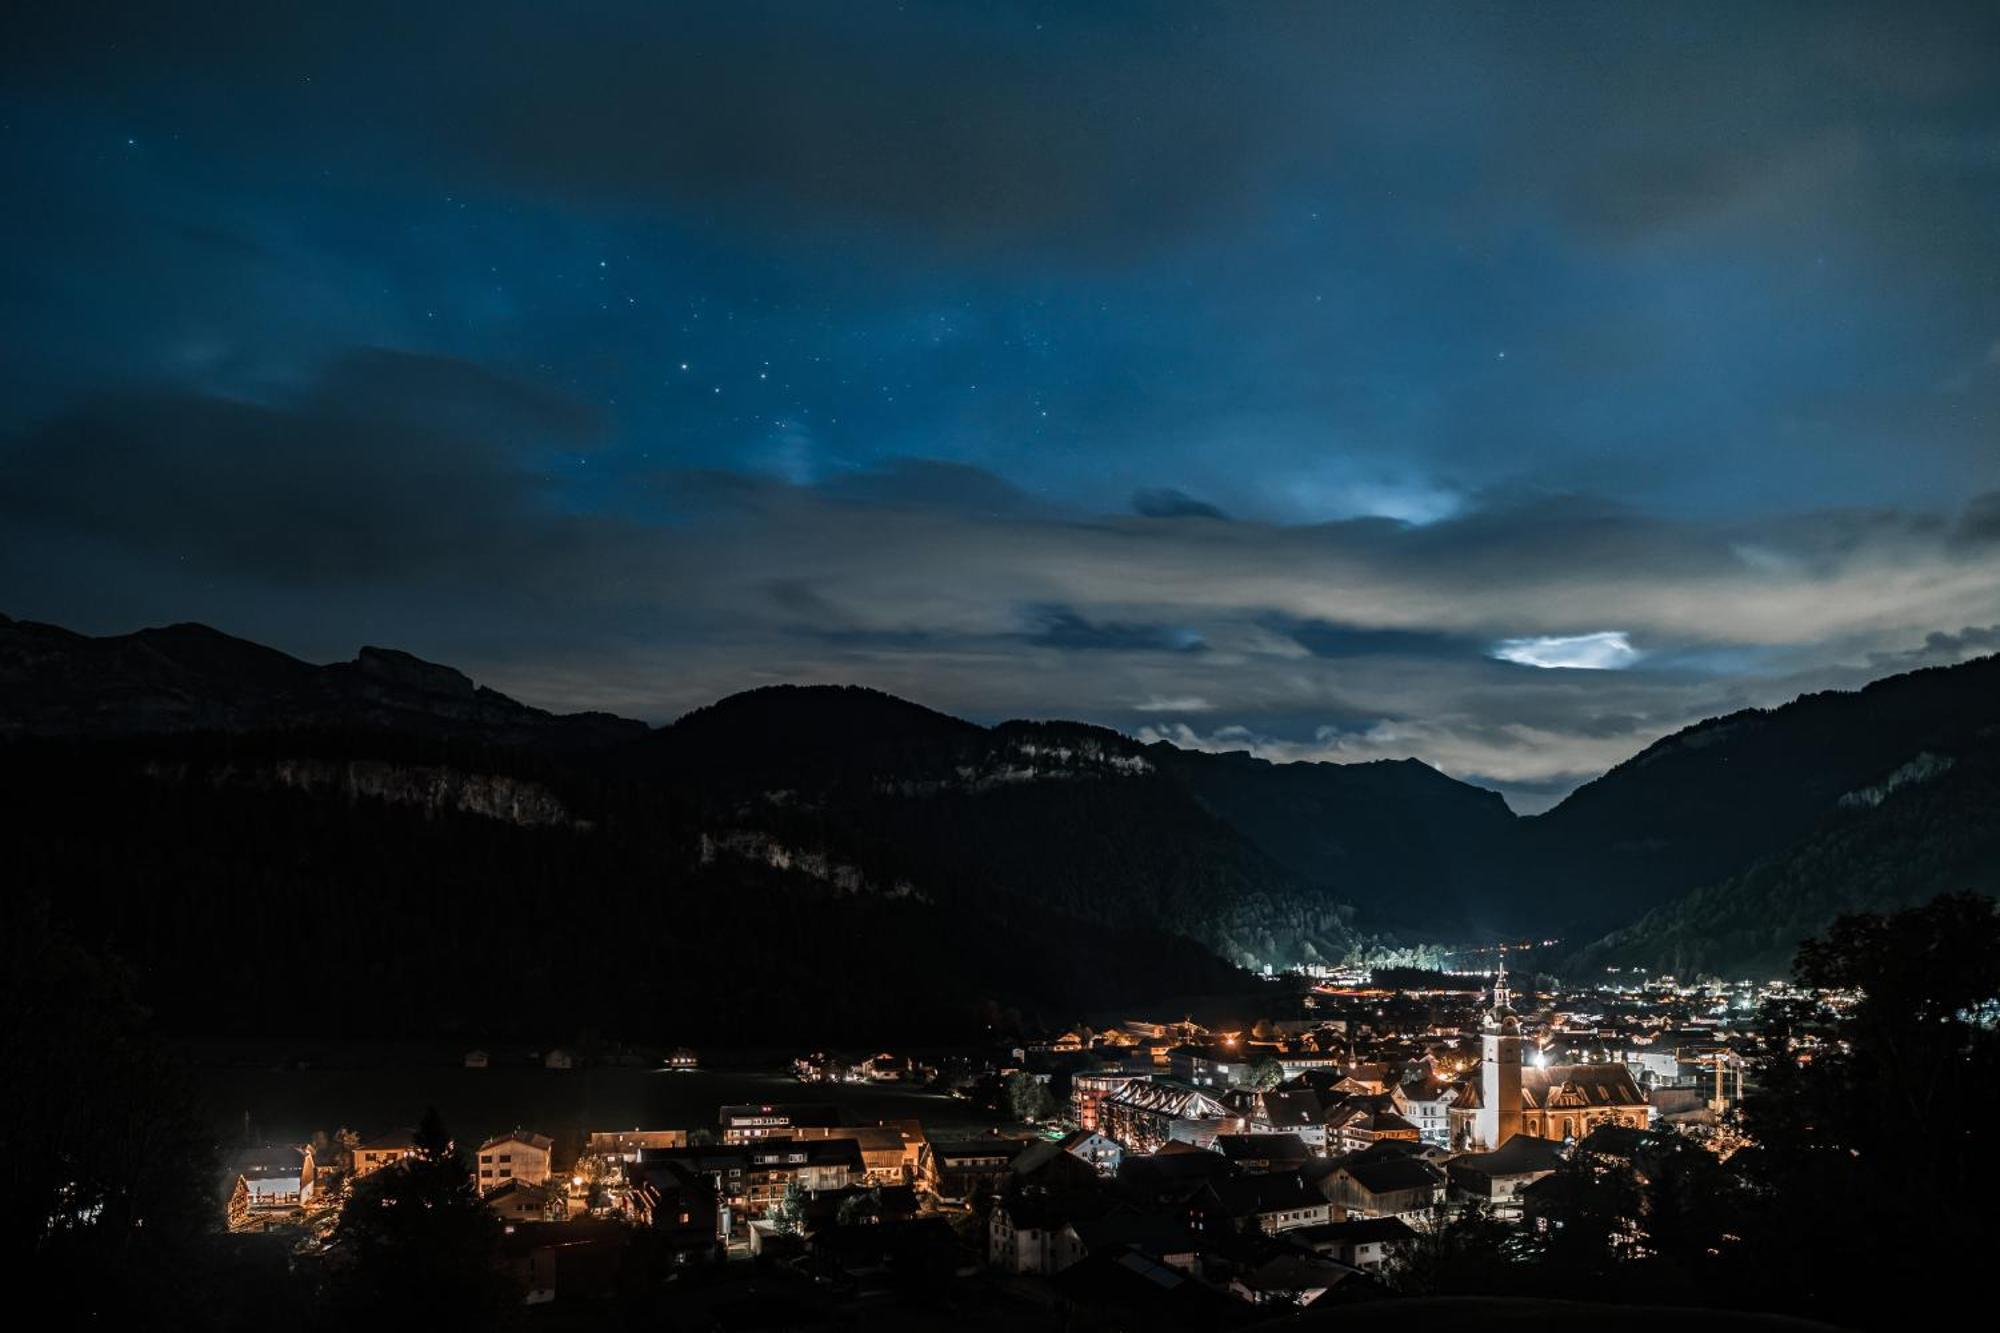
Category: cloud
[1183,704]
[1166,502]
[1605,650]
[437,505]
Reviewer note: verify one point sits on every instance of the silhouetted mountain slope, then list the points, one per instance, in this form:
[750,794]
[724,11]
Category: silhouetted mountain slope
[767,819]
[1931,826]
[1709,801]
[1396,837]
[192,678]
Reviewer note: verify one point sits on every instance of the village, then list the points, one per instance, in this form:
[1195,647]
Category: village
[1215,1171]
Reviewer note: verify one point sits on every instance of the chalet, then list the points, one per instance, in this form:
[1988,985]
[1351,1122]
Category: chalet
[891,1150]
[563,1261]
[680,1205]
[773,1166]
[625,1145]
[1272,1203]
[1031,1235]
[1367,1243]
[518,1201]
[1297,1111]
[1498,1177]
[371,1155]
[1264,1152]
[956,1172]
[1047,1164]
[1389,1185]
[1161,1237]
[1171,1176]
[262,1182]
[519,1156]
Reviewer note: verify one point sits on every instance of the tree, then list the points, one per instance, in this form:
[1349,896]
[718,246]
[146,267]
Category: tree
[1028,1098]
[1879,1111]
[1470,1252]
[108,1170]
[1266,1073]
[415,1246]
[790,1214]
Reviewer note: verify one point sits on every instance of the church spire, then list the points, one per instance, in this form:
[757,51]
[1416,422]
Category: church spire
[1501,998]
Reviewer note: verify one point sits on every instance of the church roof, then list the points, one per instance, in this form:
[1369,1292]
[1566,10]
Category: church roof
[1557,1086]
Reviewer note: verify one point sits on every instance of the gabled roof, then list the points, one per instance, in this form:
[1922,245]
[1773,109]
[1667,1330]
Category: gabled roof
[1244,1196]
[1521,1155]
[1262,1147]
[541,1141]
[1387,1175]
[1174,1100]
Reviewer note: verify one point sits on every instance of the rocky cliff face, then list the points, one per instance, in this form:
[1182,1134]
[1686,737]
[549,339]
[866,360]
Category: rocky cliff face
[432,789]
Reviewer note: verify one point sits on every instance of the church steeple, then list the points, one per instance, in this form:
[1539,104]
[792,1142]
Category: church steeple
[1500,1101]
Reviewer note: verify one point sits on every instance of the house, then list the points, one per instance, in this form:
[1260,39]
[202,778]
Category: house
[263,1182]
[1388,1185]
[1426,1104]
[1079,1157]
[1367,1243]
[1032,1235]
[956,1172]
[371,1155]
[681,1057]
[891,1150]
[559,1059]
[518,1201]
[1297,1111]
[516,1156]
[563,1261]
[1498,1177]
[773,1166]
[1289,1278]
[1212,1067]
[1162,1237]
[679,1203]
[625,1145]
[747,1124]
[477,1059]
[1264,1152]
[1145,1116]
[1272,1203]
[1171,1176]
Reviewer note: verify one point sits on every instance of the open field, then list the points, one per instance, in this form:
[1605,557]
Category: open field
[389,1088]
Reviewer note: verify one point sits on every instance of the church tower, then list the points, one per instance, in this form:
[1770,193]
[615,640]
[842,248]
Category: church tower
[1499,1117]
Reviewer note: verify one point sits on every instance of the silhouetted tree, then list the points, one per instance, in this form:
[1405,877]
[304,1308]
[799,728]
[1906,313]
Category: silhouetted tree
[415,1246]
[112,1181]
[1869,1156]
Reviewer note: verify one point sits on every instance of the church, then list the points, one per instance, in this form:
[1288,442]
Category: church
[1554,1102]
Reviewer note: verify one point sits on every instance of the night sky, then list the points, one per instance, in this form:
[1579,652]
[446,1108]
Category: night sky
[1503,385]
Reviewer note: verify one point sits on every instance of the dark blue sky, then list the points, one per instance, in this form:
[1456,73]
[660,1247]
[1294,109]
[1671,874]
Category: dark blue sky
[1266,376]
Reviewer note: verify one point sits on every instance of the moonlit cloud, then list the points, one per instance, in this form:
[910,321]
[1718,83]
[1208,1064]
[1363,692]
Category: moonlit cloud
[1606,650]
